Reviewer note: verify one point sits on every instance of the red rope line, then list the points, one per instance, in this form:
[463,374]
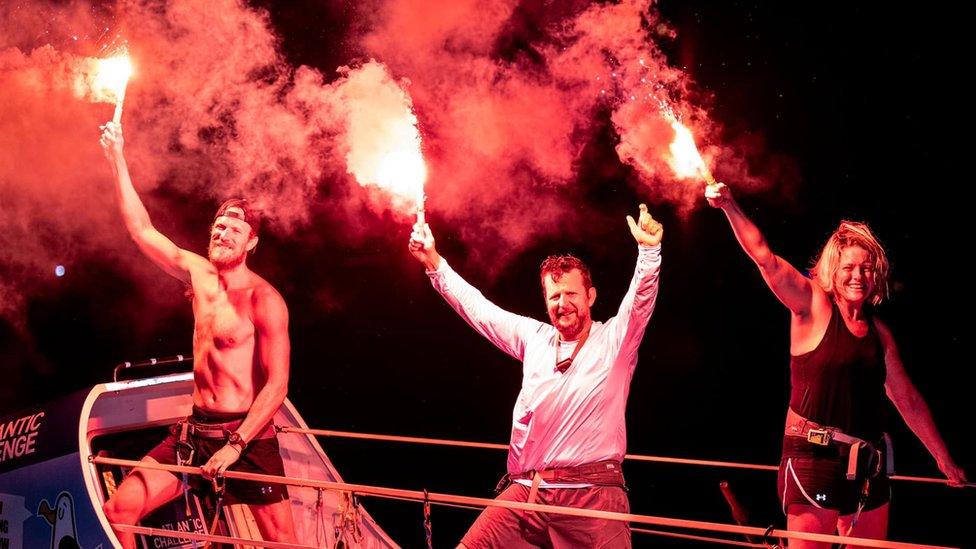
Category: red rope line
[419,496]
[632,457]
[697,538]
[638,530]
[207,537]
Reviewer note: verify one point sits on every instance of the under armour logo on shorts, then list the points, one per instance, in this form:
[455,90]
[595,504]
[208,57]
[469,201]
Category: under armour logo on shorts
[821,497]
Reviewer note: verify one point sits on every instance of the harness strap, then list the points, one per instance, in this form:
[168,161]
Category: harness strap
[534,491]
[862,500]
[852,460]
[823,435]
[219,484]
[220,431]
[889,454]
[564,364]
[183,443]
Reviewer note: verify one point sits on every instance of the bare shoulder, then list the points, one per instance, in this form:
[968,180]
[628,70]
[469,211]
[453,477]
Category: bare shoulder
[897,377]
[883,331]
[266,299]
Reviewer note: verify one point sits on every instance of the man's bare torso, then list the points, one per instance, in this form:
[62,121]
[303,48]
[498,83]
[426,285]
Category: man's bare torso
[226,372]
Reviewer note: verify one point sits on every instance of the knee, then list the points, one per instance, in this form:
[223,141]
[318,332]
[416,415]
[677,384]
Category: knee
[276,522]
[117,510]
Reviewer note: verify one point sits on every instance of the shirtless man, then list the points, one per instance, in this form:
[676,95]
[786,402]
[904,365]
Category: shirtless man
[240,369]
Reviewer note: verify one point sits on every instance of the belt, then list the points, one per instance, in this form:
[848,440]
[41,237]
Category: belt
[591,473]
[220,431]
[599,473]
[822,435]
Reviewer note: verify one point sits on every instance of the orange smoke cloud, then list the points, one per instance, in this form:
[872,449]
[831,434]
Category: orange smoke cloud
[499,134]
[49,190]
[215,112]
[381,141]
[508,93]
[613,54]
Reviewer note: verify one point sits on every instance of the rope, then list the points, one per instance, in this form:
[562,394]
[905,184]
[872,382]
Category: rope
[439,503]
[632,457]
[697,538]
[586,513]
[428,532]
[638,530]
[206,537]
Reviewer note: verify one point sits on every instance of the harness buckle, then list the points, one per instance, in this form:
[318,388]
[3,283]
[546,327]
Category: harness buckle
[820,437]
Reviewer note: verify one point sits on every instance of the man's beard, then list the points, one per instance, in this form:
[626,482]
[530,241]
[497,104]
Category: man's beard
[222,258]
[572,331]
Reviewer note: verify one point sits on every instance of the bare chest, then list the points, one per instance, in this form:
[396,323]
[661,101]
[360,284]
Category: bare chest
[223,318]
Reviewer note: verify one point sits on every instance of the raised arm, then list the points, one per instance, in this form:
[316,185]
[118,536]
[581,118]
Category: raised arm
[154,244]
[507,331]
[788,285]
[273,350]
[913,409]
[627,327]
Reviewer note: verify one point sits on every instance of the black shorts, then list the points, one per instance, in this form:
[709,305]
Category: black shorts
[821,481]
[261,455]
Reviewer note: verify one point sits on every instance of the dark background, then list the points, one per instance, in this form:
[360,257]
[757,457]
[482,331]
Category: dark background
[867,102]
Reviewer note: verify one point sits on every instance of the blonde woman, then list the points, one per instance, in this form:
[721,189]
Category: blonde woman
[843,363]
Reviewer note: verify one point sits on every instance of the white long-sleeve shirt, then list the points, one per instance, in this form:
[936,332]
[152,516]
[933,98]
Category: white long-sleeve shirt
[575,417]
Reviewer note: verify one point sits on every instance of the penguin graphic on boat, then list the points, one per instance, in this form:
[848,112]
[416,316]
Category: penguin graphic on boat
[61,517]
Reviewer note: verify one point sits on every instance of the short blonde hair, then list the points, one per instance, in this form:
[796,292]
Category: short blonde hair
[852,233]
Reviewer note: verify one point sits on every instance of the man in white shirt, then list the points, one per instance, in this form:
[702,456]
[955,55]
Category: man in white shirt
[568,432]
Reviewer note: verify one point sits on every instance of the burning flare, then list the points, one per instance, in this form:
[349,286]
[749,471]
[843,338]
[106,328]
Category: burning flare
[402,171]
[111,78]
[383,139]
[685,159]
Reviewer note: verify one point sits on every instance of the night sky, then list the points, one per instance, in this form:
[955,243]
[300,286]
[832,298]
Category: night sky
[855,101]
